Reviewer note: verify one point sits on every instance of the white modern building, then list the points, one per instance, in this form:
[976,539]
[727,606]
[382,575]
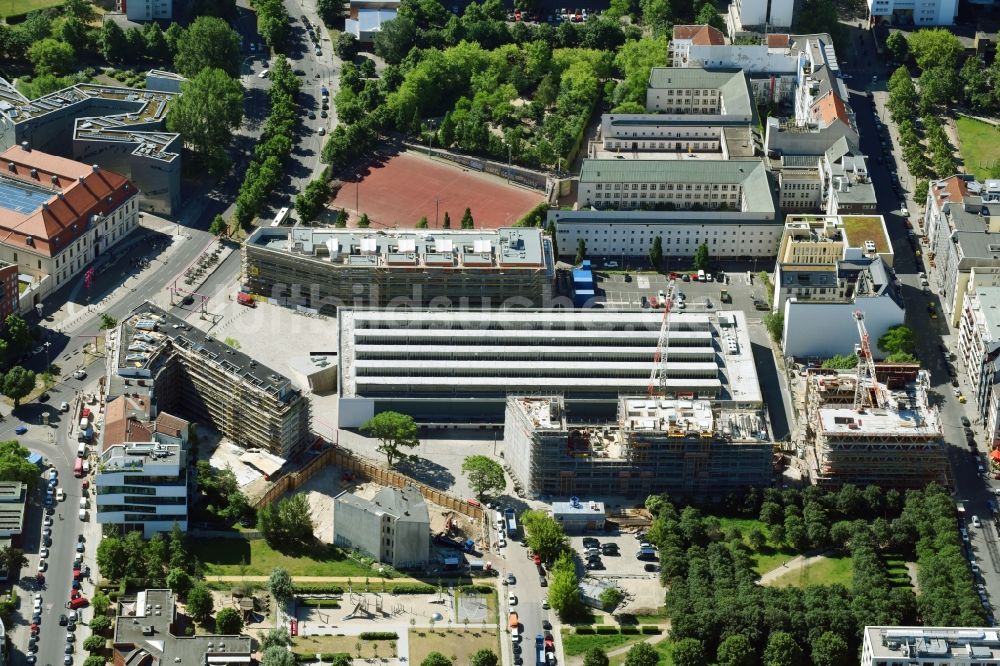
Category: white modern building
[912,13]
[759,16]
[393,526]
[147,10]
[979,349]
[459,367]
[930,646]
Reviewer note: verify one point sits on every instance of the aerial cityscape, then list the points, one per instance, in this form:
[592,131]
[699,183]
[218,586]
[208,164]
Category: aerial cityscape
[486,333]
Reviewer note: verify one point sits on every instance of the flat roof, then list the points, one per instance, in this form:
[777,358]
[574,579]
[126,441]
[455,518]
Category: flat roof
[934,644]
[987,302]
[861,228]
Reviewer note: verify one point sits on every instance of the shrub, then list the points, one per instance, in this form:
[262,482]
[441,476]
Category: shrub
[413,588]
[378,635]
[480,589]
[606,629]
[585,629]
[318,588]
[651,629]
[629,629]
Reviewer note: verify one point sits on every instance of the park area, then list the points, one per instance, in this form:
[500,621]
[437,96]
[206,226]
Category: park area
[253,557]
[402,188]
[16,7]
[979,144]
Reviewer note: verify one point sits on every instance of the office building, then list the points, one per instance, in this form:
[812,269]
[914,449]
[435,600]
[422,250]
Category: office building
[147,634]
[325,268]
[863,432]
[979,349]
[13,500]
[688,448]
[119,129]
[10,298]
[909,14]
[686,36]
[194,374]
[459,367]
[930,646]
[962,219]
[753,16]
[577,517]
[147,10]
[141,481]
[57,216]
[394,527]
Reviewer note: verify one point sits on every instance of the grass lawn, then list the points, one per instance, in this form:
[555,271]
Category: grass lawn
[311,645]
[457,644]
[241,557]
[767,558]
[899,575]
[979,144]
[10,7]
[577,644]
[828,571]
[662,648]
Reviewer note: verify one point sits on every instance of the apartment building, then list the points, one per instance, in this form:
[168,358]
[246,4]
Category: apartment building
[699,91]
[818,77]
[325,268]
[866,435]
[686,36]
[459,367]
[962,219]
[912,13]
[119,129]
[394,527]
[979,349]
[687,448]
[930,646]
[147,633]
[194,374]
[57,216]
[756,16]
[141,481]
[147,10]
[10,298]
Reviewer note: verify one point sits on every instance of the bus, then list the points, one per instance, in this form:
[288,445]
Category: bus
[78,468]
[281,217]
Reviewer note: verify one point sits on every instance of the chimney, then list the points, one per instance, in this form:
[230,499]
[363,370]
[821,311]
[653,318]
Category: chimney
[25,146]
[96,167]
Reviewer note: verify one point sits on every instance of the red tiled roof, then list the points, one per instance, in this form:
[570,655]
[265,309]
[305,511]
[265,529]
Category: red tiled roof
[955,187]
[702,35]
[778,41]
[85,192]
[170,425]
[830,107]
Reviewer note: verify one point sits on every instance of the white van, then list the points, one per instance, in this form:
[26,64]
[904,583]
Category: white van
[81,451]
[701,276]
[263,73]
[84,423]
[86,467]
[83,514]
[83,502]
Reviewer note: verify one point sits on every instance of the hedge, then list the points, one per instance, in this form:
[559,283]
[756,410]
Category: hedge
[318,588]
[483,589]
[606,629]
[319,603]
[323,656]
[584,629]
[413,588]
[378,635]
[629,629]
[651,629]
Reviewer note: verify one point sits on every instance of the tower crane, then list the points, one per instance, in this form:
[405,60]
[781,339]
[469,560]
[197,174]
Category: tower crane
[868,391]
[662,346]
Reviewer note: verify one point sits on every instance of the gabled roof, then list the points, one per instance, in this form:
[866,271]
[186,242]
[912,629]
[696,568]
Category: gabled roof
[952,189]
[78,193]
[702,35]
[778,41]
[829,108]
[170,425]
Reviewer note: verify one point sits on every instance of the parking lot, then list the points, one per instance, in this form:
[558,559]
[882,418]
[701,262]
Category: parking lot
[643,591]
[626,291]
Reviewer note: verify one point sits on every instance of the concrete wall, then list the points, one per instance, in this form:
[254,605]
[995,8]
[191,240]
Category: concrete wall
[411,545]
[354,527]
[822,330]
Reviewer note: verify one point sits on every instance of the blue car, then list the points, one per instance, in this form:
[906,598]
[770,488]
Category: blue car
[21,429]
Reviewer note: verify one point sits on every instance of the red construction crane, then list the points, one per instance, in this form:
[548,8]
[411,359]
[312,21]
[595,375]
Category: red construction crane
[662,347]
[868,391]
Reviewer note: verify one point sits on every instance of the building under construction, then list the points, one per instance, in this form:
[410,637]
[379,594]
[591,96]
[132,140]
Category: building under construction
[326,268]
[688,448]
[184,370]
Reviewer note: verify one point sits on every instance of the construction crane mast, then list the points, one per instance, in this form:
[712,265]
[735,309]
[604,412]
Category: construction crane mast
[662,346]
[868,391]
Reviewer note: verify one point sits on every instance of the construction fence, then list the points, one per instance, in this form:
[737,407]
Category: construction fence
[519,175]
[365,470]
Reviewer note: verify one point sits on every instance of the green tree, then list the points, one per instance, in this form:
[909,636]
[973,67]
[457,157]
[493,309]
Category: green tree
[551,232]
[394,431]
[467,219]
[757,539]
[287,523]
[112,557]
[94,660]
[643,654]
[228,621]
[709,15]
[100,602]
[107,321]
[688,652]
[543,534]
[564,587]
[173,36]
[329,10]
[446,222]
[280,585]
[595,656]
[179,581]
[82,10]
[208,43]
[581,251]
[52,56]
[898,47]
[394,41]
[199,601]
[273,637]
[900,338]
[782,650]
[830,649]
[901,357]
[656,253]
[611,597]
[422,222]
[841,362]
[278,655]
[136,43]
[342,217]
[310,203]
[18,383]
[100,624]
[207,113]
[486,478]
[155,41]
[12,560]
[93,643]
[363,221]
[436,659]
[819,16]
[700,261]
[446,133]
[218,226]
[17,336]
[936,47]
[346,47]
[657,15]
[485,657]
[938,86]
[774,322]
[112,44]
[736,650]
[74,33]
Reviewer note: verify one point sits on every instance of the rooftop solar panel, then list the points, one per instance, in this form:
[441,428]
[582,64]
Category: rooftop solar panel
[21,197]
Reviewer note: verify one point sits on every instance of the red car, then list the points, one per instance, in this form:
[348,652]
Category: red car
[78,601]
[34,629]
[76,574]
[75,595]
[86,484]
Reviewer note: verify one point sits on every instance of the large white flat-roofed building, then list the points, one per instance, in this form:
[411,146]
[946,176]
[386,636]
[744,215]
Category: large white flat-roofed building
[930,646]
[910,13]
[324,268]
[459,367]
[688,448]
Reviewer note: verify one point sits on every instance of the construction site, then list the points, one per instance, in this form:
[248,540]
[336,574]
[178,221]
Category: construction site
[873,425]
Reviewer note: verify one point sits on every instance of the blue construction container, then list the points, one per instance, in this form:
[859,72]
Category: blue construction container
[581,296]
